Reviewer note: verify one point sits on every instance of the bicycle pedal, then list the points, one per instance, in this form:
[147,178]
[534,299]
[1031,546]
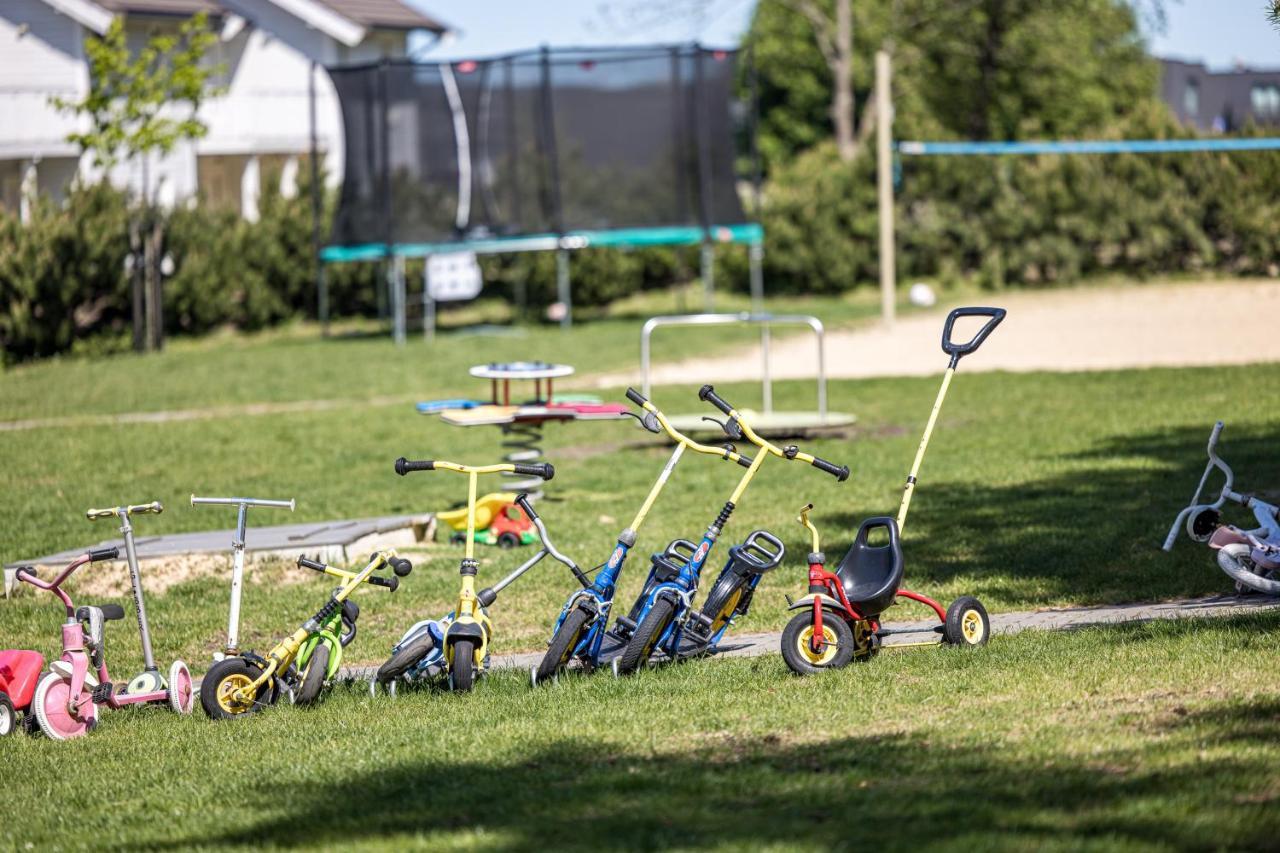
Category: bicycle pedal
[103,692]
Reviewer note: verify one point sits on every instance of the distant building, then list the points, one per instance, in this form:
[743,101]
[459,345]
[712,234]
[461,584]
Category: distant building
[1220,101]
[262,123]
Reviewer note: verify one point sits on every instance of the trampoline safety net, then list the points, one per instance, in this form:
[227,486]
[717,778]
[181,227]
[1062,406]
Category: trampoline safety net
[541,143]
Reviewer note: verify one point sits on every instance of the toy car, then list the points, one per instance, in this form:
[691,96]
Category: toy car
[510,527]
[19,671]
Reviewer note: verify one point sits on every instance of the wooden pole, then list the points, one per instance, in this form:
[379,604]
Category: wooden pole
[884,172]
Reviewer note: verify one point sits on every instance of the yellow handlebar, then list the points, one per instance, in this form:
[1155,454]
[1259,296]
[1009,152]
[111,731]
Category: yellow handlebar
[684,440]
[133,509]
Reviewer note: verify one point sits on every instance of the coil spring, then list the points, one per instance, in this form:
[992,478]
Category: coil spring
[522,442]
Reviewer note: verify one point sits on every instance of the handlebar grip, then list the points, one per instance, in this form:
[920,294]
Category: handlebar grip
[840,472]
[636,397]
[545,470]
[708,395]
[404,466]
[745,461]
[400,566]
[956,351]
[154,507]
[304,563]
[95,514]
[103,554]
[522,500]
[390,583]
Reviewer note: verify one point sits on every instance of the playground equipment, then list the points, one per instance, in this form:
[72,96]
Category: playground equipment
[663,618]
[580,629]
[19,673]
[242,505]
[768,422]
[499,521]
[555,150]
[522,422]
[66,699]
[1249,557]
[458,644]
[308,658]
[840,616]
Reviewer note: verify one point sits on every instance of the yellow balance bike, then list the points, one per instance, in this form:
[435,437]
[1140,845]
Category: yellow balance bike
[468,631]
[305,660]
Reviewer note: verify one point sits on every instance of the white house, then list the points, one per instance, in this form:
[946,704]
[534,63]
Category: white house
[273,52]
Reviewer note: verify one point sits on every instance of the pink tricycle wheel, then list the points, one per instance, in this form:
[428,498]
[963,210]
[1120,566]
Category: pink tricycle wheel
[181,691]
[50,704]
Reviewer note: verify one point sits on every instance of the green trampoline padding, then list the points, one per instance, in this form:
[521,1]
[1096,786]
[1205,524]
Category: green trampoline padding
[768,424]
[681,235]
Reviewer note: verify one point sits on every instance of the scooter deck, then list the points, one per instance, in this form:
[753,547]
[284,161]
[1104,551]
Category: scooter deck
[690,647]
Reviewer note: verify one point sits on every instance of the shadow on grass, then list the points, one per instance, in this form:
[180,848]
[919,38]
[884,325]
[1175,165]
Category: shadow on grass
[1090,535]
[745,793]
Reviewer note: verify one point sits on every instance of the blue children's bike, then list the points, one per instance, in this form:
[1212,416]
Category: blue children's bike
[663,618]
[580,629]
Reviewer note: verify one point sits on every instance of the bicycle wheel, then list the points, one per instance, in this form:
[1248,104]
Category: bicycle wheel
[560,651]
[223,680]
[313,675]
[406,658]
[646,637]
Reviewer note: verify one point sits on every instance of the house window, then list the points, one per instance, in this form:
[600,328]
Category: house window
[1191,99]
[1265,100]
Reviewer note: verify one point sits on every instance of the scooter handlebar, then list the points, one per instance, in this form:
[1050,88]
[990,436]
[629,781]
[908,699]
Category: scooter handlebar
[636,397]
[708,394]
[400,566]
[957,351]
[390,583]
[304,563]
[840,472]
[404,466]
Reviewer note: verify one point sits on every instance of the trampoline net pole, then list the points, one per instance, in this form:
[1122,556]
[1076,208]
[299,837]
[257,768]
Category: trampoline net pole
[562,287]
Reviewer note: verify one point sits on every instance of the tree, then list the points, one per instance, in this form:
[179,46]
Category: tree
[833,31]
[137,105]
[1273,12]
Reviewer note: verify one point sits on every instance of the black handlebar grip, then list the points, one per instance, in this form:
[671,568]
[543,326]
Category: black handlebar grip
[840,472]
[744,461]
[304,563]
[708,395]
[404,466]
[636,397]
[956,351]
[390,583]
[401,566]
[103,554]
[112,612]
[522,500]
[545,470]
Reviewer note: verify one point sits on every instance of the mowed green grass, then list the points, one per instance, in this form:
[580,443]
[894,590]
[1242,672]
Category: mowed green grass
[1142,737]
[1038,490]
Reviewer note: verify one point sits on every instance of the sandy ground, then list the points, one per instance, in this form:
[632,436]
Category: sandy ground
[1165,325]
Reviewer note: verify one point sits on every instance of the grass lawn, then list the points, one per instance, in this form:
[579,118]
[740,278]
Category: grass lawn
[1154,736]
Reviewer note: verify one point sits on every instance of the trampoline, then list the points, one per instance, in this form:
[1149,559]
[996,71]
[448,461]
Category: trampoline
[545,150]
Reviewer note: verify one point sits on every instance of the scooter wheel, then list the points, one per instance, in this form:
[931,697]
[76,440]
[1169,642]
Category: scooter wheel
[222,681]
[50,706]
[967,623]
[8,716]
[182,696]
[462,672]
[797,643]
[406,658]
[560,651]
[643,642]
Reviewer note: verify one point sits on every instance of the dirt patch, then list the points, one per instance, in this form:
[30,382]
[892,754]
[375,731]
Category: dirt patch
[111,580]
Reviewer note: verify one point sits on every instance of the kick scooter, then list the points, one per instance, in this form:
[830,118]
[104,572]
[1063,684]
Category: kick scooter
[840,617]
[458,644]
[66,698]
[663,617]
[237,686]
[237,560]
[579,631]
[1251,558]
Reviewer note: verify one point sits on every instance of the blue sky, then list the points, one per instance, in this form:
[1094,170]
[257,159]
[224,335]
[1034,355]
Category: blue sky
[1219,32]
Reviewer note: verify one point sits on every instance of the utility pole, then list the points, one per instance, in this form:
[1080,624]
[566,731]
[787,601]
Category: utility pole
[884,174]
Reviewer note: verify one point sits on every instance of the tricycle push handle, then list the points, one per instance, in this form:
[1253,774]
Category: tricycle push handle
[958,350]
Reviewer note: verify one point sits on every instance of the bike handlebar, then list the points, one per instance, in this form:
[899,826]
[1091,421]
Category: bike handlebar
[656,422]
[957,351]
[708,394]
[542,470]
[840,472]
[103,554]
[390,583]
[404,466]
[522,500]
[133,509]
[636,397]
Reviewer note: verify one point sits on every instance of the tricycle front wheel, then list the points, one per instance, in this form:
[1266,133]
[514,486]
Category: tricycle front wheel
[836,649]
[221,684]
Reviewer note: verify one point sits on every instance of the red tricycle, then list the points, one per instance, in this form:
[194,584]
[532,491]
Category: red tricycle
[840,617]
[19,672]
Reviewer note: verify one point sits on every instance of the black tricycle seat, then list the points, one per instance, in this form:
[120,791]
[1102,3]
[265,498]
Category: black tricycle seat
[872,574]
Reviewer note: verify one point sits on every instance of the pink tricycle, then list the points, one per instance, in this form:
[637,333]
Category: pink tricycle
[66,698]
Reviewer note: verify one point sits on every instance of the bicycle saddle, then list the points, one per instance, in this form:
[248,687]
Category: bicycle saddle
[758,553]
[872,574]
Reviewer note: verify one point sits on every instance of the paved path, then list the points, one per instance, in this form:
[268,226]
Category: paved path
[755,645]
[1088,328]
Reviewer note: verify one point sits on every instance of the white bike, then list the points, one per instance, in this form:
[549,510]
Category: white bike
[1250,557]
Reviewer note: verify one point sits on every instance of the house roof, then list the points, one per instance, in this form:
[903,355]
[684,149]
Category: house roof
[161,7]
[384,14]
